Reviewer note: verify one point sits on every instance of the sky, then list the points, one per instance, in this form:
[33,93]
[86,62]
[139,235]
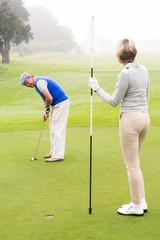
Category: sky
[113,19]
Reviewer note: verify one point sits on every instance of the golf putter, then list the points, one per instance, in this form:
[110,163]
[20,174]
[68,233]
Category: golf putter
[35,155]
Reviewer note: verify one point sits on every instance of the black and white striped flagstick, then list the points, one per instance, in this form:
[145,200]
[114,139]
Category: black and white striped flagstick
[90,177]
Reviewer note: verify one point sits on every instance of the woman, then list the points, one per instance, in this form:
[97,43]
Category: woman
[132,92]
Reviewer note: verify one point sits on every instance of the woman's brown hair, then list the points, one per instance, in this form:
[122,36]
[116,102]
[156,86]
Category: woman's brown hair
[126,50]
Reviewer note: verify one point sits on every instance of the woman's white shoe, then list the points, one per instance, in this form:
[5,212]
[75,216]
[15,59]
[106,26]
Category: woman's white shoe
[143,205]
[131,209]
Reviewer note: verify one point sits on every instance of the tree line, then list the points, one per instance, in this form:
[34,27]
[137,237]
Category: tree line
[34,26]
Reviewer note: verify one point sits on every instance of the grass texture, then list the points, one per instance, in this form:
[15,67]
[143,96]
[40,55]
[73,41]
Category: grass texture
[30,190]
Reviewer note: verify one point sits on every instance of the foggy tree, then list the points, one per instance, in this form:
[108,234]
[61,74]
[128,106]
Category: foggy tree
[13,27]
[16,6]
[48,34]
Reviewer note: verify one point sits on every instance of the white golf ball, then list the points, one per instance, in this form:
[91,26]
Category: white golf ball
[32,159]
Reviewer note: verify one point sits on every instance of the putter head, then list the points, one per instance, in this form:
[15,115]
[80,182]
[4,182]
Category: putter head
[33,159]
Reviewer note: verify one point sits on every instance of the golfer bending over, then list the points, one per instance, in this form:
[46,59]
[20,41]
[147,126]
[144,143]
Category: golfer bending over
[132,91]
[56,100]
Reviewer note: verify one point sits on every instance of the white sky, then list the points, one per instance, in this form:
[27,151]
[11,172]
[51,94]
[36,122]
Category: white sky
[115,19]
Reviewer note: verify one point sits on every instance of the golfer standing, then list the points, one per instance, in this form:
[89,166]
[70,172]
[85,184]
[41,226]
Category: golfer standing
[132,91]
[55,101]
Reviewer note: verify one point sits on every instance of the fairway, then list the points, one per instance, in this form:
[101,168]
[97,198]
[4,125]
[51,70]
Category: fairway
[30,190]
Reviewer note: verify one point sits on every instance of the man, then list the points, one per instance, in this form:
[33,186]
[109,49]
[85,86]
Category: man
[55,101]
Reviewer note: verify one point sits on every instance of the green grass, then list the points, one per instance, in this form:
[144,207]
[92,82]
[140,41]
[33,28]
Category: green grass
[29,190]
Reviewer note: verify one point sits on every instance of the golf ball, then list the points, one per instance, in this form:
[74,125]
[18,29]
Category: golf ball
[32,159]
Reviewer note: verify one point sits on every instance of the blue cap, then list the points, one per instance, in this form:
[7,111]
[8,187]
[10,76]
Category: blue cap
[24,77]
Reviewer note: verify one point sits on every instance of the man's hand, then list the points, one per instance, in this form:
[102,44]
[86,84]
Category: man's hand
[93,83]
[47,110]
[45,116]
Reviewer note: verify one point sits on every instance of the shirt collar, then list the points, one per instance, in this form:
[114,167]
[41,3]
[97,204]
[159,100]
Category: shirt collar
[132,65]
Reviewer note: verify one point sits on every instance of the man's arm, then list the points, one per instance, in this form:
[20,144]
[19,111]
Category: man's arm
[47,103]
[42,86]
[48,98]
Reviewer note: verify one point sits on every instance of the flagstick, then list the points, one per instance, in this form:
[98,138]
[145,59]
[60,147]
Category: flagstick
[90,178]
